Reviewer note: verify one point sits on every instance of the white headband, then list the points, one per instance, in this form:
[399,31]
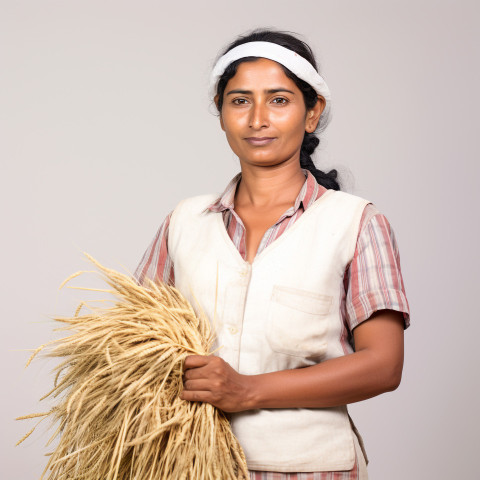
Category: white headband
[298,65]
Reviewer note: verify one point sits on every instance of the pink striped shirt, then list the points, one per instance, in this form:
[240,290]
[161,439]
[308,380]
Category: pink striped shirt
[373,280]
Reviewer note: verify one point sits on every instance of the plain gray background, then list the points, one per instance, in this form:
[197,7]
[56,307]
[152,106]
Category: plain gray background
[105,125]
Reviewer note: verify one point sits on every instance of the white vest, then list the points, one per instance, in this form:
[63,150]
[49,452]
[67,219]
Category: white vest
[280,312]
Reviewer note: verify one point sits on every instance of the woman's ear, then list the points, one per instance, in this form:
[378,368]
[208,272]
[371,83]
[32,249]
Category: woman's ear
[313,115]
[215,99]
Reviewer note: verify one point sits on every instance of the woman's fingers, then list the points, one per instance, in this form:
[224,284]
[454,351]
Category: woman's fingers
[200,385]
[197,396]
[210,379]
[194,373]
[195,361]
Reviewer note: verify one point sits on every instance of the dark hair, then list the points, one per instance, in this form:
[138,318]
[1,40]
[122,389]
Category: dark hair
[310,140]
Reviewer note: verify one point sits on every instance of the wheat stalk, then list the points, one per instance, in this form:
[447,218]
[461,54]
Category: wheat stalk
[119,413]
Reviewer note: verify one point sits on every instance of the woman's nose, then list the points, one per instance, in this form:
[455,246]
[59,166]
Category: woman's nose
[258,116]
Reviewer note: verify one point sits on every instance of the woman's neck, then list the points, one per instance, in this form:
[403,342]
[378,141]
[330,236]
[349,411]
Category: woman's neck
[263,187]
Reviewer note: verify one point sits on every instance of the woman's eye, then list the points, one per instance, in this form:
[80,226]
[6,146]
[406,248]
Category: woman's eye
[243,101]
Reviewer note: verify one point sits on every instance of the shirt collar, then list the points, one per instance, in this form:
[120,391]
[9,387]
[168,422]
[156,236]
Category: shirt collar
[309,192]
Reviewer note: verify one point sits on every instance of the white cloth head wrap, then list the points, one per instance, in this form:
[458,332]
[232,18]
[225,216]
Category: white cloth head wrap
[298,65]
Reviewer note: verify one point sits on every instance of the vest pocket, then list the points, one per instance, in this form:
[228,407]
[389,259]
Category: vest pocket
[297,322]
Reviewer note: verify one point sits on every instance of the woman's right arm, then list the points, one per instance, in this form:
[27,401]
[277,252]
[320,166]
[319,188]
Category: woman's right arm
[156,263]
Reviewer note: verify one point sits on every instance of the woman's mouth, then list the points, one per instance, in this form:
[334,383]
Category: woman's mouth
[259,141]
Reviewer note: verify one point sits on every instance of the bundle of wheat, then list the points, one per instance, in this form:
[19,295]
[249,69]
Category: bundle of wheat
[119,414]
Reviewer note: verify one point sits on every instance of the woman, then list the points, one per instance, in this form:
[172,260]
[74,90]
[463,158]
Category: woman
[301,280]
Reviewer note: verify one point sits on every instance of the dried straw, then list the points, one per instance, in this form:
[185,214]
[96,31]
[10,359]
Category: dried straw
[119,413]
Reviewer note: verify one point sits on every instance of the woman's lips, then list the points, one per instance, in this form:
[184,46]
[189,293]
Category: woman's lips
[258,141]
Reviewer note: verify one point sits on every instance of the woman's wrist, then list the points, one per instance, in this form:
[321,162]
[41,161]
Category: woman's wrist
[252,392]
[265,390]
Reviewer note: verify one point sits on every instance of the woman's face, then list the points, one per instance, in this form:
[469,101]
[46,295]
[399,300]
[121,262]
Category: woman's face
[264,115]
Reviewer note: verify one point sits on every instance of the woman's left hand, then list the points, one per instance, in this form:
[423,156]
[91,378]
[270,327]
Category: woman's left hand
[211,379]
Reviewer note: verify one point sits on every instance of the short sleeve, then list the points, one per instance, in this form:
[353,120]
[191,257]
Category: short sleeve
[373,280]
[156,263]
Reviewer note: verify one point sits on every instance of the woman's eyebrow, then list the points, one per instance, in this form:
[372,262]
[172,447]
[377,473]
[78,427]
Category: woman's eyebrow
[248,92]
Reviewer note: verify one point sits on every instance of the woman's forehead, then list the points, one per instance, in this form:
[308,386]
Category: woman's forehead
[259,74]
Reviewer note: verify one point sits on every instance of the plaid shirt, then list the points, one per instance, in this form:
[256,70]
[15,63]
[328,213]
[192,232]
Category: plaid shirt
[372,281]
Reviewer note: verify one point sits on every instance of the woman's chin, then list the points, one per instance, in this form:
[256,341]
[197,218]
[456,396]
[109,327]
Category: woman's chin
[265,159]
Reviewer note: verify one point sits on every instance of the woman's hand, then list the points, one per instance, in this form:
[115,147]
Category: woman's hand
[211,379]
